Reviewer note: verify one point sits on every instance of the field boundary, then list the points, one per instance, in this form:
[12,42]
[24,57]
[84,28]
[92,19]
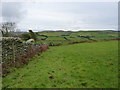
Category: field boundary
[85,41]
[15,53]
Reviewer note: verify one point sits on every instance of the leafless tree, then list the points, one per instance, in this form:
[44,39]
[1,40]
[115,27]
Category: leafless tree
[7,27]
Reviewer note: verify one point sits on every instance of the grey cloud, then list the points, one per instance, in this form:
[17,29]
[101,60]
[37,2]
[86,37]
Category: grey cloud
[12,11]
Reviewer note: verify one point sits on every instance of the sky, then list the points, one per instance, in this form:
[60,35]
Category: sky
[74,16]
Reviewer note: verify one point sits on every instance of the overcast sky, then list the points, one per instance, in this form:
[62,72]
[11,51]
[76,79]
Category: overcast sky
[62,15]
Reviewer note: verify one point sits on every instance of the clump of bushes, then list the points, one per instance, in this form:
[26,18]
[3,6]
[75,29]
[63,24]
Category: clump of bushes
[33,35]
[25,36]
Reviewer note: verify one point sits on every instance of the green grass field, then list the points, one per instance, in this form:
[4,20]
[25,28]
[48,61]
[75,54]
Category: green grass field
[75,36]
[85,65]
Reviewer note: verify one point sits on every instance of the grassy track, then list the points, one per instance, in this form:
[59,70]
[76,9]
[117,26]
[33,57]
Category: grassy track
[72,66]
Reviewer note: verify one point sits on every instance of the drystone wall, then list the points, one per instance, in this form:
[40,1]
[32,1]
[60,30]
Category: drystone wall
[12,48]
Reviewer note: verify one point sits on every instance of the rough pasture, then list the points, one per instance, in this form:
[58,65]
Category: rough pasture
[83,65]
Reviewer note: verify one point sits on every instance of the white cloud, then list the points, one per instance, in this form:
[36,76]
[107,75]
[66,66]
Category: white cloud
[60,0]
[69,16]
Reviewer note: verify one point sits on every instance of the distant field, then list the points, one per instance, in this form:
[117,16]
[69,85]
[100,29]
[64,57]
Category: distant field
[68,36]
[85,65]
